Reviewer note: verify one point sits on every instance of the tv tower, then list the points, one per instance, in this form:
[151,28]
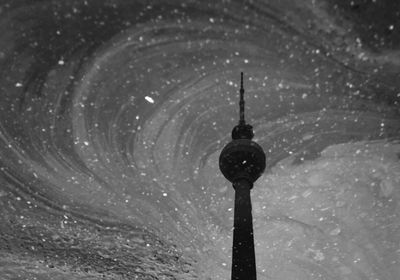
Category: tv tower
[242,161]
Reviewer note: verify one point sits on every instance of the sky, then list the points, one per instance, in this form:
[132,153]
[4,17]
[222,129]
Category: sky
[113,115]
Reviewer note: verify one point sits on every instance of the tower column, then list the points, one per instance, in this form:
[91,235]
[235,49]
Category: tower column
[243,256]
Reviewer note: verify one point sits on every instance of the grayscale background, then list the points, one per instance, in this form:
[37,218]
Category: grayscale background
[113,115]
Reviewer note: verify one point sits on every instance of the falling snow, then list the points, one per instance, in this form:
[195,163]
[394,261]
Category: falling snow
[113,116]
[149,99]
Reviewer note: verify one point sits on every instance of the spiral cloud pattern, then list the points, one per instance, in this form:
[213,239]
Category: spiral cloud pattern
[113,115]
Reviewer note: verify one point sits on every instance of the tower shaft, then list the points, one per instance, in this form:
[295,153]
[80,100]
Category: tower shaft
[243,256]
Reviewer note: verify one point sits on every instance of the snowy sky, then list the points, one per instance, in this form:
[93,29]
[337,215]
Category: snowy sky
[113,115]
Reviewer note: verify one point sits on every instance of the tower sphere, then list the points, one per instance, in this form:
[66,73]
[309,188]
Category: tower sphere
[242,159]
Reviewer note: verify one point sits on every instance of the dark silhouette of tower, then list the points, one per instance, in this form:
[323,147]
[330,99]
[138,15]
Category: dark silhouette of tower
[242,161]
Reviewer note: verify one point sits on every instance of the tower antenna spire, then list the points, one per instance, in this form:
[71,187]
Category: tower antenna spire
[241,102]
[242,130]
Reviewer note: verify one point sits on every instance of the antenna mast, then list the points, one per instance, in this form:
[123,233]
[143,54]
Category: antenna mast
[242,130]
[241,102]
